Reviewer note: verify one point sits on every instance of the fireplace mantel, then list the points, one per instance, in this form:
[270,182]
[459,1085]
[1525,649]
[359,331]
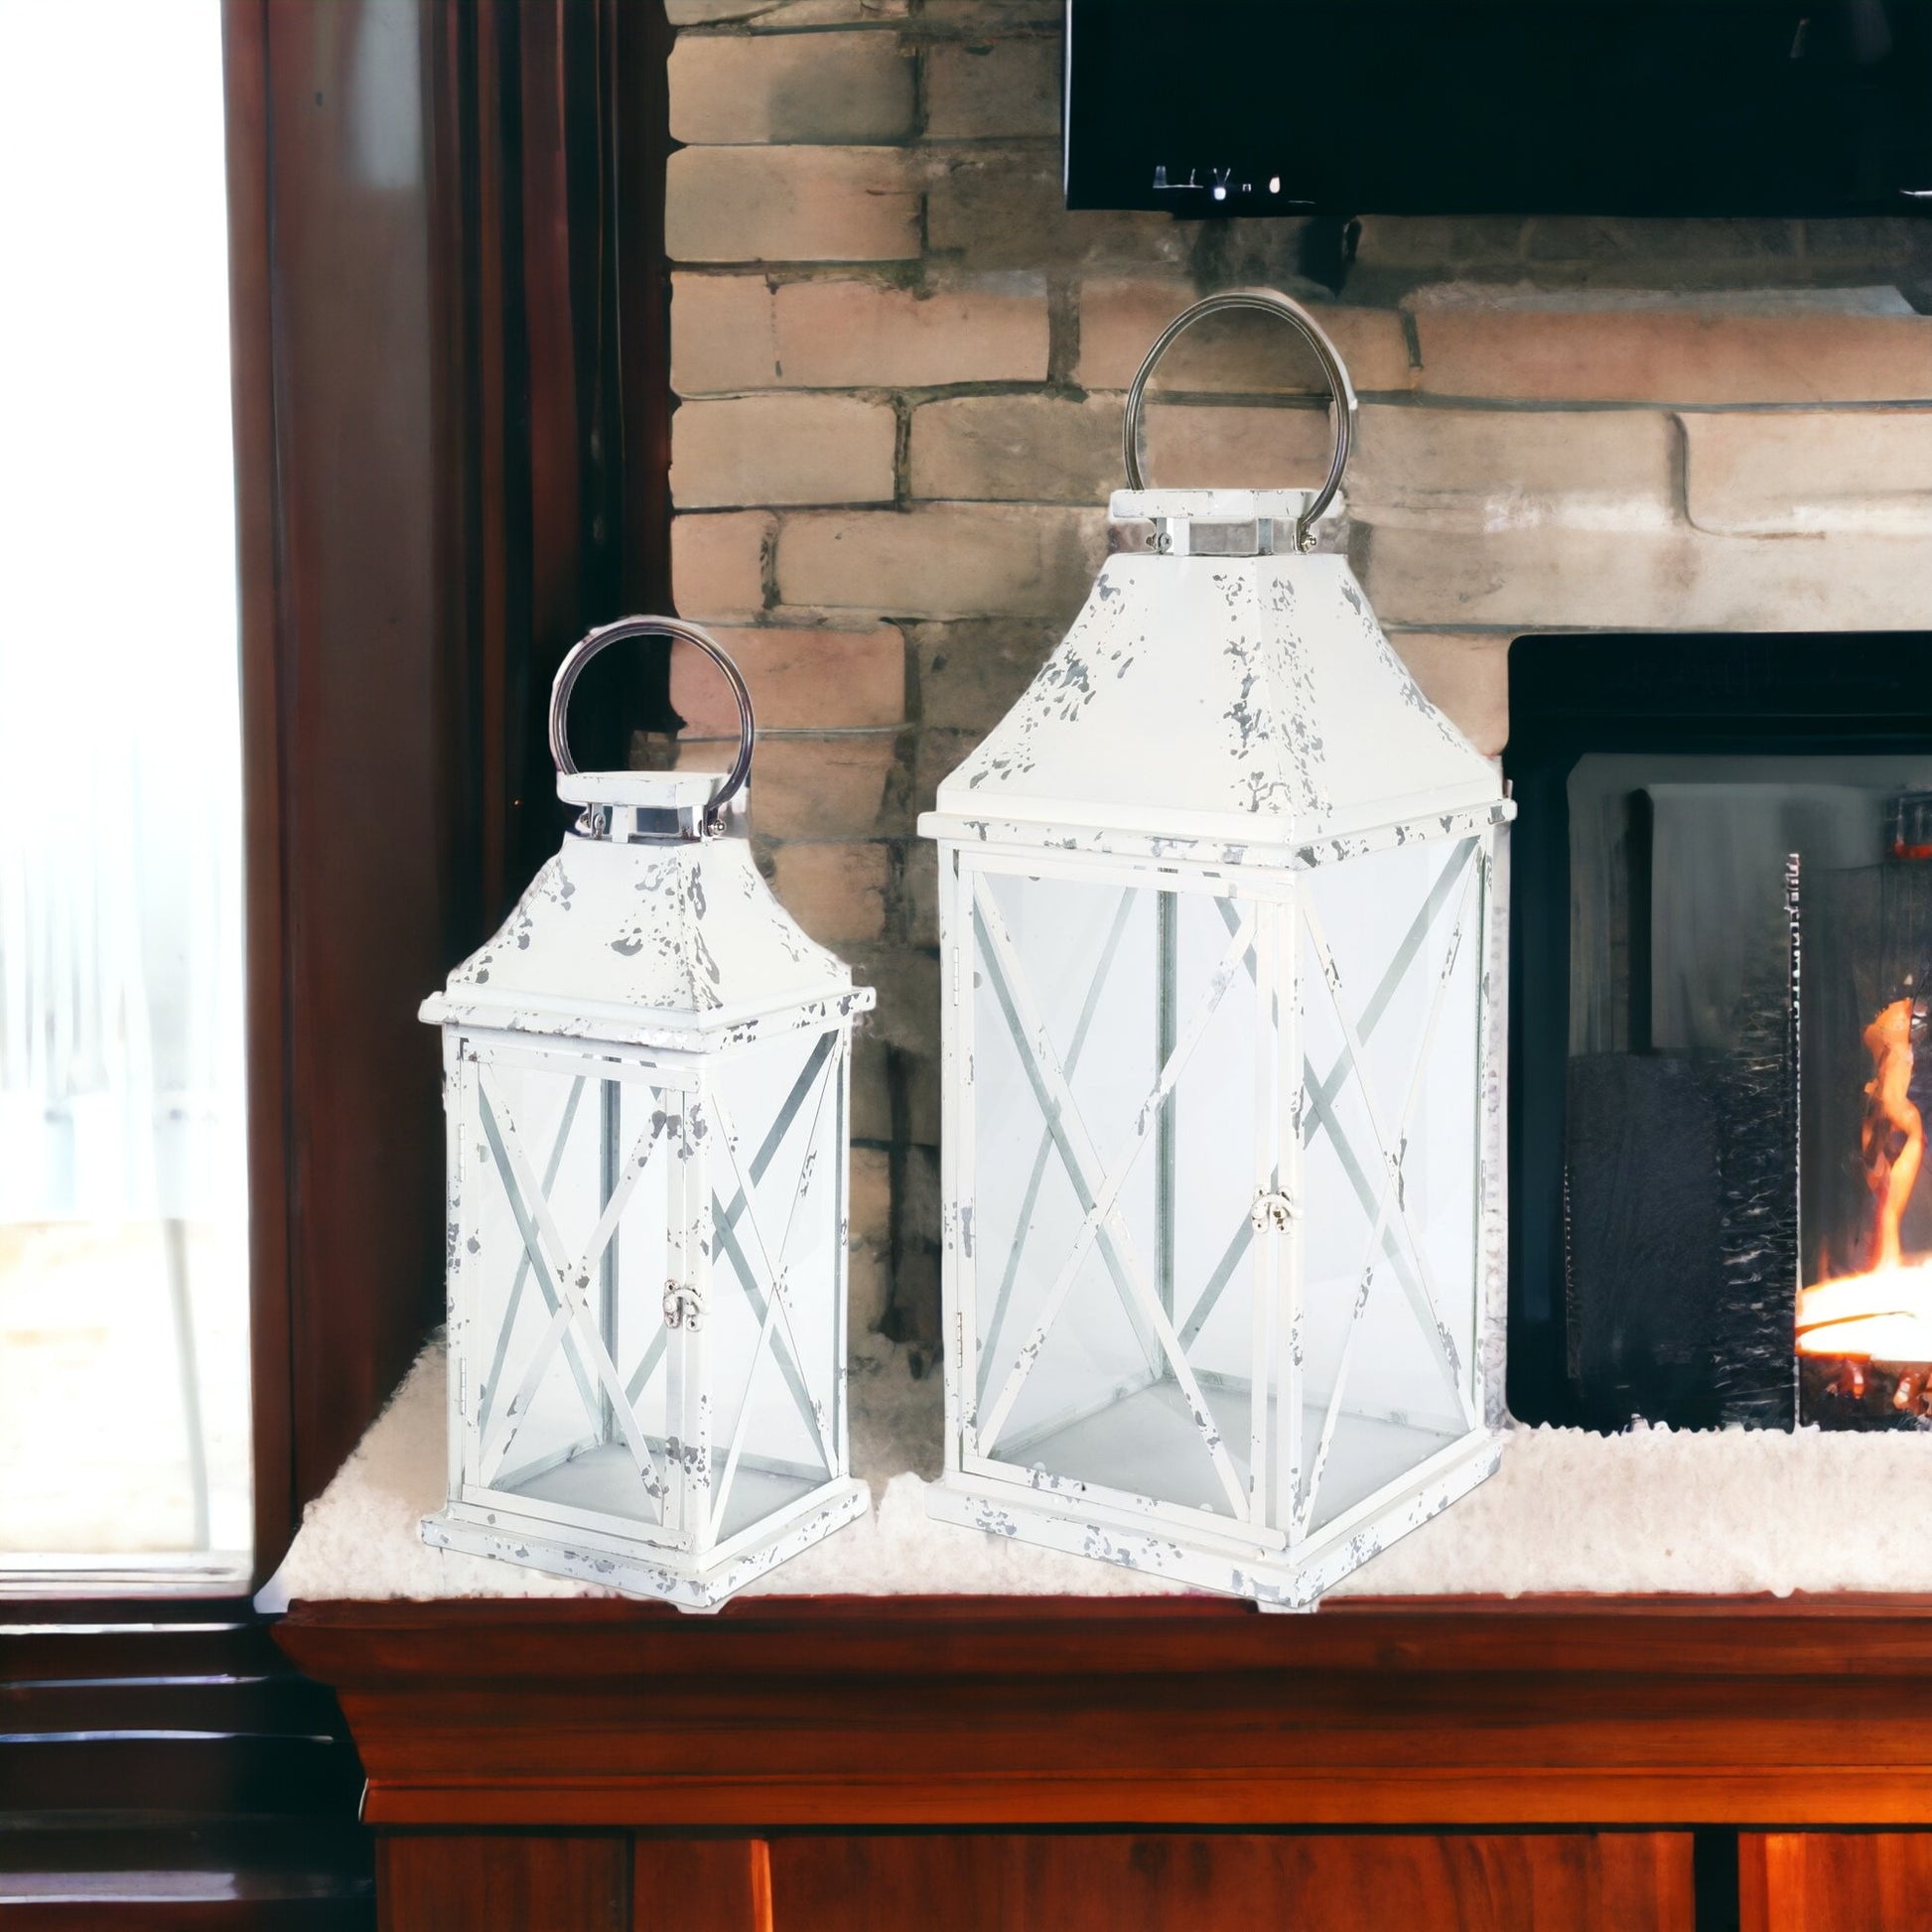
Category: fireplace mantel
[836,1714]
[1586,1763]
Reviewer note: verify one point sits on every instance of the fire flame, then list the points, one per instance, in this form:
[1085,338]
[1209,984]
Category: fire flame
[1885,1314]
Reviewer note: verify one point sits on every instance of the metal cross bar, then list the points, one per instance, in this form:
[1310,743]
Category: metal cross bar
[1037,1049]
[1390,1185]
[1166,1001]
[1421,1287]
[486,1396]
[561,1285]
[1060,1113]
[774,1304]
[774,1277]
[1217,1282]
[725,1218]
[1043,1154]
[610,1132]
[1320,1113]
[1321,1091]
[730,1248]
[781,1123]
[1324,1091]
[563,1290]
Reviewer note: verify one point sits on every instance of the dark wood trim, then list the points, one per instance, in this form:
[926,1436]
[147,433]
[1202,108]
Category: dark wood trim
[356,901]
[839,1713]
[451,401]
[244,28]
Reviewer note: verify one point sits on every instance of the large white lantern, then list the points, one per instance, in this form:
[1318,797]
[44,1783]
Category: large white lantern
[1221,903]
[646,1084]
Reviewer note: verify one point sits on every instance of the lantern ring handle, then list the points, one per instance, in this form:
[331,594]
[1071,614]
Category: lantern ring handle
[1334,373]
[588,647]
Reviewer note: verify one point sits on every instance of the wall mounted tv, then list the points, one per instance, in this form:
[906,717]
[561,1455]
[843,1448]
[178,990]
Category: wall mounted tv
[1686,107]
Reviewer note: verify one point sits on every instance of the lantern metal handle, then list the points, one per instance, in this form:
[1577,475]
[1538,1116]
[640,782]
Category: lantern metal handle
[1341,393]
[588,647]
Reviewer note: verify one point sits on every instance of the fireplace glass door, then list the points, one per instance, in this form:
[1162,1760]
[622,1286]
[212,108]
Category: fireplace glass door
[1722,1034]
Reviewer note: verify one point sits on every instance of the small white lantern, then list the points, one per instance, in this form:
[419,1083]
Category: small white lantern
[646,1079]
[1222,978]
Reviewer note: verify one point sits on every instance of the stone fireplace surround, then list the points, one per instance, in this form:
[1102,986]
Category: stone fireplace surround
[899,366]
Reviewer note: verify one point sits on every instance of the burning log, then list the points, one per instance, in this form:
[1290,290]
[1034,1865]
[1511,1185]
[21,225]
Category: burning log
[1868,1338]
[1893,1136]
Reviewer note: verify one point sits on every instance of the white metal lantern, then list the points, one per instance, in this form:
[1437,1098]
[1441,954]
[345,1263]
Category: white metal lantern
[647,1077]
[1220,905]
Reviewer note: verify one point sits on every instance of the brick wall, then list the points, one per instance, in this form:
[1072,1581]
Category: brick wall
[899,366]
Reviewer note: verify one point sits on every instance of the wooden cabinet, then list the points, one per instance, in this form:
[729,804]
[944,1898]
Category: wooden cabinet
[457,1881]
[1175,1883]
[1834,1882]
[1626,1881]
[848,1765]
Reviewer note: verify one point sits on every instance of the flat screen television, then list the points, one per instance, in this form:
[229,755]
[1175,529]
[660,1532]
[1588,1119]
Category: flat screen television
[1642,107]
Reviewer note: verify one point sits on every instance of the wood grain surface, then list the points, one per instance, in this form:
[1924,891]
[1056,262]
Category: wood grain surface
[570,1882]
[1636,1881]
[834,1715]
[1835,1881]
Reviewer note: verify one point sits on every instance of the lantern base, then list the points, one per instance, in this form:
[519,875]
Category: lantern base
[640,1569]
[1213,1554]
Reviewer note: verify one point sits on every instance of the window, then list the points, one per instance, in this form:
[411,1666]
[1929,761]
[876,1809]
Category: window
[124,1348]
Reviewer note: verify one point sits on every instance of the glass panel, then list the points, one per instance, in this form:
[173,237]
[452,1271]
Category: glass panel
[775,1367]
[1725,1124]
[1084,957]
[124,1414]
[554,1147]
[1390,1267]
[1102,1337]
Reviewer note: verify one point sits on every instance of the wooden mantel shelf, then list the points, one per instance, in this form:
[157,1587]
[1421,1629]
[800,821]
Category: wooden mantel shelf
[845,1714]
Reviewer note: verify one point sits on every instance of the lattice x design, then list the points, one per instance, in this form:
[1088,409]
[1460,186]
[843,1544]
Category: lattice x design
[563,1279]
[1097,1186]
[1387,1205]
[761,1264]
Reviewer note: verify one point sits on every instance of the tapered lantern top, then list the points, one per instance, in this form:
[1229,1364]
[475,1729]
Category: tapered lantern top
[1226,685]
[652,925]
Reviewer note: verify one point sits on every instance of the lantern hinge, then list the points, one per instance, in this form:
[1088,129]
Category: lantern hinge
[1275,1213]
[682,1307]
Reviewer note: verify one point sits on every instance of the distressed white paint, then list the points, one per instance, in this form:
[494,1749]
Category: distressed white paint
[647,1084]
[1225,700]
[1222,979]
[664,943]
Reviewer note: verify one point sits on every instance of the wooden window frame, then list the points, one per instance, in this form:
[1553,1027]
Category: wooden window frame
[451,399]
[396,653]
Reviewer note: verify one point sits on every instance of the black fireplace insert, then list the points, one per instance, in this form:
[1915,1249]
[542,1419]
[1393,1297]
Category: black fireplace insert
[1721,1029]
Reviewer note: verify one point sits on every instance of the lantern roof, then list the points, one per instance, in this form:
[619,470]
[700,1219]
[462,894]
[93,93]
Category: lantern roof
[1213,693]
[642,939]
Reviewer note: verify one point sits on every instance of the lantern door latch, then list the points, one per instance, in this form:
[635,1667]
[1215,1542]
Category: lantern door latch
[1273,1212]
[682,1309]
